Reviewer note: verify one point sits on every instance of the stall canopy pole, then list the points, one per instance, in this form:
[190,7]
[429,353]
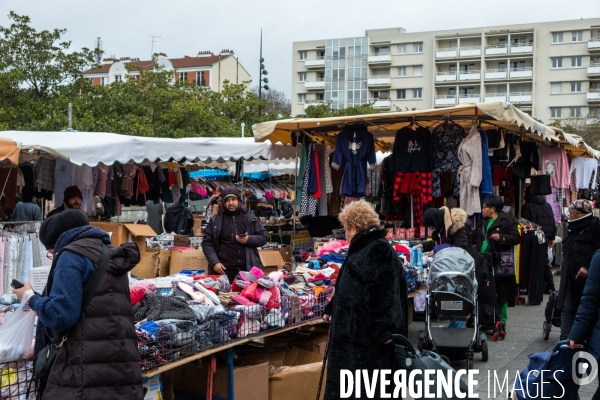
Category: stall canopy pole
[293,241]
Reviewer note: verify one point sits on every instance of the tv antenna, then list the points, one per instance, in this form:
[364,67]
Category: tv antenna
[153,39]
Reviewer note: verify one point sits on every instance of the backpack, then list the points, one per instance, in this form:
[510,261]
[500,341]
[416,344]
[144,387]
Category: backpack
[179,219]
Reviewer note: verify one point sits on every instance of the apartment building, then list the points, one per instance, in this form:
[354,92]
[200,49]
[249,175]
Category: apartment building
[205,69]
[550,70]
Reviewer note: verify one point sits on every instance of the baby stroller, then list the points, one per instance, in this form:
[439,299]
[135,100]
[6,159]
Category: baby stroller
[552,315]
[451,323]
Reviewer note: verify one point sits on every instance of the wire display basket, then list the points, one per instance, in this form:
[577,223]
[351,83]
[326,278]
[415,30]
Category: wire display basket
[16,380]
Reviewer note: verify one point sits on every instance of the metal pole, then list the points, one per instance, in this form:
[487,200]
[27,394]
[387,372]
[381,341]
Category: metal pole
[260,75]
[70,117]
[243,126]
[295,189]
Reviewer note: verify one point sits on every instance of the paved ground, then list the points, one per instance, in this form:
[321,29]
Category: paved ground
[524,336]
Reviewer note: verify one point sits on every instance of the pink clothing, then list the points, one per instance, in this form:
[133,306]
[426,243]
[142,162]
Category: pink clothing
[552,199]
[331,247]
[102,177]
[555,164]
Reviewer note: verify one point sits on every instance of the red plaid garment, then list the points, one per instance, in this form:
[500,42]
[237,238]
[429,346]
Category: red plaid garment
[420,185]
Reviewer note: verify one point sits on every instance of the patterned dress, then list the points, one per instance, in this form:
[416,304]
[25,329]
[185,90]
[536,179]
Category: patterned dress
[446,140]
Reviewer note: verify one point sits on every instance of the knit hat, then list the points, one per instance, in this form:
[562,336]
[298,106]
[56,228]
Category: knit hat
[72,191]
[230,191]
[583,206]
[54,226]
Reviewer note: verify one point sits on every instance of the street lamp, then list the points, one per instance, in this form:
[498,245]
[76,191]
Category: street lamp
[262,71]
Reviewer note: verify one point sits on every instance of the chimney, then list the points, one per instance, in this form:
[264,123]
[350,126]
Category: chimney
[125,59]
[226,52]
[106,61]
[160,55]
[205,53]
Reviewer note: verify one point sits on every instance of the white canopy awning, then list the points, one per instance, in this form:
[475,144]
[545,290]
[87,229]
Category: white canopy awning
[91,148]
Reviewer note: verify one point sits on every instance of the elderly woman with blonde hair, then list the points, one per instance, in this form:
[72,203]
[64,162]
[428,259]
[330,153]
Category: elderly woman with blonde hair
[370,300]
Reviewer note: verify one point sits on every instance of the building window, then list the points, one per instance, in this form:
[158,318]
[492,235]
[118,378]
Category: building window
[418,70]
[401,94]
[117,78]
[202,78]
[301,76]
[381,95]
[402,48]
[303,55]
[555,112]
[301,98]
[183,77]
[401,71]
[103,80]
[576,36]
[418,47]
[575,62]
[557,37]
[417,93]
[556,62]
[382,51]
[556,87]
[575,87]
[575,111]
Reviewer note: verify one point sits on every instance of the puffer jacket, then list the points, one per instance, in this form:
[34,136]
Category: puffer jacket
[264,210]
[100,358]
[538,211]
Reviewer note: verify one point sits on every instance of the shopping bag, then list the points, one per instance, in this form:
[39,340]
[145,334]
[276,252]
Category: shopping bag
[16,334]
[410,359]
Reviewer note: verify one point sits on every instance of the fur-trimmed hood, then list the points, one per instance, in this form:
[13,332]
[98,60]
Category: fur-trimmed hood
[459,219]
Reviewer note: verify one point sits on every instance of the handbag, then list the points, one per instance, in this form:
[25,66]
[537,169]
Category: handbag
[47,355]
[505,265]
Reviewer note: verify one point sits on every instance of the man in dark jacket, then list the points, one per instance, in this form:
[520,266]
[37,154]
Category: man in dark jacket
[99,359]
[538,211]
[579,246]
[72,201]
[231,239]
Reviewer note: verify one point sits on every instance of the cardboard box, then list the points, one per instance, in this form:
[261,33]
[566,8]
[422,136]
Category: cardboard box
[187,259]
[153,265]
[312,343]
[152,388]
[251,382]
[286,253]
[181,240]
[121,233]
[298,379]
[271,260]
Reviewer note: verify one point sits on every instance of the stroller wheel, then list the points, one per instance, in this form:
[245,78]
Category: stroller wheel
[484,350]
[446,359]
[420,343]
[546,330]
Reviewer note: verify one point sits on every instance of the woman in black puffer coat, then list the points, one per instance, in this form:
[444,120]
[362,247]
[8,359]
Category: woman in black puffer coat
[582,241]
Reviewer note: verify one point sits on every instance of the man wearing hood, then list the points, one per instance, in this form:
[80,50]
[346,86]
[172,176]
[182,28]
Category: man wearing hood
[99,356]
[231,239]
[582,241]
[538,211]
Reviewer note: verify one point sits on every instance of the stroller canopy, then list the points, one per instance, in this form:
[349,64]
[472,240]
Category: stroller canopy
[455,261]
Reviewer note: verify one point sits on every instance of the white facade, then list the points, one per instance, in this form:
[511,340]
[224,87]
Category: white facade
[549,69]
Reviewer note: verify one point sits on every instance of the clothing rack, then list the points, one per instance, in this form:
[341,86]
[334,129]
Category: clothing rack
[527,222]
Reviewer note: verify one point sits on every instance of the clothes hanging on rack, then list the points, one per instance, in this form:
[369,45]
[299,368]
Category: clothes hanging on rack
[308,205]
[417,184]
[354,148]
[586,170]
[485,188]
[446,140]
[556,165]
[470,172]
[413,150]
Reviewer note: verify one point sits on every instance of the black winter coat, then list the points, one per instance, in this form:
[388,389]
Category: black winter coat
[582,241]
[369,305]
[100,358]
[257,237]
[538,211]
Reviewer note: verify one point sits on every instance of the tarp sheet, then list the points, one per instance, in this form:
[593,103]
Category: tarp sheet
[9,152]
[90,148]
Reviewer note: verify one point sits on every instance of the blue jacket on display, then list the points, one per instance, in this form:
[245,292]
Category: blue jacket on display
[354,148]
[485,188]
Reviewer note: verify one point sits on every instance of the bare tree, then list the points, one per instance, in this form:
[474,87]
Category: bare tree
[586,127]
[278,101]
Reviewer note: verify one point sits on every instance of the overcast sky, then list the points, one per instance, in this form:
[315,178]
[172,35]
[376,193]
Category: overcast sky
[188,26]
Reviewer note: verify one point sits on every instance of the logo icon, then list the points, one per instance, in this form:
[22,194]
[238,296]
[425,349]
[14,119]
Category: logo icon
[585,368]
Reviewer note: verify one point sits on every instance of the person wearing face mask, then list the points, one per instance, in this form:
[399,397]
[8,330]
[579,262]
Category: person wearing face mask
[582,241]
[496,232]
[232,239]
[72,201]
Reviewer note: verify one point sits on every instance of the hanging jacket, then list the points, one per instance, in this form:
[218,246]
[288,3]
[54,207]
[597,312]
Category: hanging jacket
[485,189]
[538,211]
[100,358]
[413,150]
[470,172]
[353,149]
[264,210]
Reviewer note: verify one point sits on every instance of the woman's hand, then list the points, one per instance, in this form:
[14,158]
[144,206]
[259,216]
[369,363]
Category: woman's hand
[581,273]
[574,345]
[495,237]
[327,318]
[21,291]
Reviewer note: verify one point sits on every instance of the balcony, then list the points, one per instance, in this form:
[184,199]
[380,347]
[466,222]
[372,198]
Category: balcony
[520,97]
[472,75]
[445,100]
[309,103]
[446,52]
[381,103]
[470,51]
[594,45]
[496,49]
[520,48]
[448,76]
[593,95]
[495,97]
[592,119]
[379,81]
[318,84]
[523,72]
[593,69]
[469,98]
[317,63]
[380,59]
[496,74]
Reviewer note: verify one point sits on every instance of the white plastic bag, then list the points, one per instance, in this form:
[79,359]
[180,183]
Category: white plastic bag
[550,255]
[16,334]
